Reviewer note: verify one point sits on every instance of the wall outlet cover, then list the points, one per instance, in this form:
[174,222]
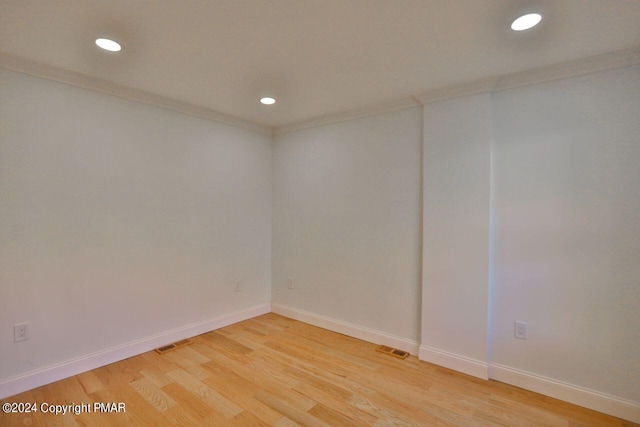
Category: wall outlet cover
[20,332]
[521,330]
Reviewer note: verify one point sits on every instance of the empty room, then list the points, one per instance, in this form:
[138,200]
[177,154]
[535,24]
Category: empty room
[320,213]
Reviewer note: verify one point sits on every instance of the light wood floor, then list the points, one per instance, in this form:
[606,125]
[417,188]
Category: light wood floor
[279,372]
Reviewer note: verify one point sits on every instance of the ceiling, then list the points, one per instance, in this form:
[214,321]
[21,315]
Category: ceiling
[316,57]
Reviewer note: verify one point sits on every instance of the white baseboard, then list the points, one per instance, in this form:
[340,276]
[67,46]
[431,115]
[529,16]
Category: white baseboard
[587,398]
[346,328]
[49,374]
[466,365]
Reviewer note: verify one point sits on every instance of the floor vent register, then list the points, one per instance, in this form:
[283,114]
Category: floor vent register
[400,354]
[169,347]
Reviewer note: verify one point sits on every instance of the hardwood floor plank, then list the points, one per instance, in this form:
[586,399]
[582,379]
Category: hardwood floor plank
[190,354]
[390,416]
[290,411]
[152,394]
[240,391]
[335,418]
[180,417]
[158,361]
[227,343]
[90,382]
[286,422]
[155,376]
[192,405]
[139,411]
[329,401]
[206,394]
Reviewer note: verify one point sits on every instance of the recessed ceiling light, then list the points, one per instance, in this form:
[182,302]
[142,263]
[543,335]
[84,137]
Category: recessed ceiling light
[108,44]
[526,21]
[267,100]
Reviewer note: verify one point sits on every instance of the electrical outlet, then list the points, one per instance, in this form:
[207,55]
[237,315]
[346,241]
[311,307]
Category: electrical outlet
[290,283]
[20,332]
[520,330]
[238,287]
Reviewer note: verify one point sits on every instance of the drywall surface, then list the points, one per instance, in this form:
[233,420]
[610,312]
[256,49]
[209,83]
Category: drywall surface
[120,220]
[567,230]
[455,277]
[346,223]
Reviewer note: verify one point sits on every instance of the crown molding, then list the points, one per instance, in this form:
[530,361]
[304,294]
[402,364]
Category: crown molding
[372,110]
[607,61]
[72,78]
[465,89]
[593,64]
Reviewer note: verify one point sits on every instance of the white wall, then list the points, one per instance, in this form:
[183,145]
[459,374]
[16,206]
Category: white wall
[120,220]
[567,230]
[347,221]
[455,275]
